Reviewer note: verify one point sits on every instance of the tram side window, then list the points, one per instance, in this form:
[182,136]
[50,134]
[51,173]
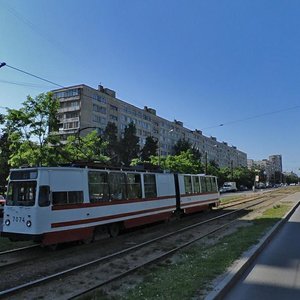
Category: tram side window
[134,186]
[208,184]
[188,184]
[196,184]
[98,186]
[75,197]
[150,186]
[117,184]
[214,184]
[203,184]
[44,196]
[59,198]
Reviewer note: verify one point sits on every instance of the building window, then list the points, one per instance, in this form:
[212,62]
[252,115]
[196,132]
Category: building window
[99,109]
[113,118]
[66,94]
[113,107]
[99,120]
[99,98]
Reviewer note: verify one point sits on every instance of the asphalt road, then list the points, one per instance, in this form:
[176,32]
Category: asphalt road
[276,272]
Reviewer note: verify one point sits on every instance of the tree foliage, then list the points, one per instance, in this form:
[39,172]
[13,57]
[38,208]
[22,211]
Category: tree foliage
[129,145]
[181,145]
[149,149]
[112,150]
[28,131]
[88,148]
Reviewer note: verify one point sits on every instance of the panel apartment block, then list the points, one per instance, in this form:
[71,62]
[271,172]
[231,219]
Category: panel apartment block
[82,109]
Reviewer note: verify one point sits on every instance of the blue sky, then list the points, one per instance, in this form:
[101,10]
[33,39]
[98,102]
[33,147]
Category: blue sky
[205,63]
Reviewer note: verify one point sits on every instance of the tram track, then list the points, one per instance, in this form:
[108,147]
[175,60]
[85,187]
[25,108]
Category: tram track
[132,259]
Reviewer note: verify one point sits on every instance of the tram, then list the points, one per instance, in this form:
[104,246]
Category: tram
[53,205]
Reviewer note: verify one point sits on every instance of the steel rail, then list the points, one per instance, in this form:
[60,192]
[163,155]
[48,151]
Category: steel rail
[18,249]
[27,285]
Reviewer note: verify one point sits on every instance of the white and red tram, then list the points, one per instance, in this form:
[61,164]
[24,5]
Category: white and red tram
[54,205]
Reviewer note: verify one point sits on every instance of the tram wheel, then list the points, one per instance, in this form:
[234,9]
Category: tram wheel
[114,229]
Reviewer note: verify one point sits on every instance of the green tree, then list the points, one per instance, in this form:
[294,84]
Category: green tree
[88,148]
[181,145]
[185,162]
[110,135]
[4,157]
[129,145]
[28,131]
[149,149]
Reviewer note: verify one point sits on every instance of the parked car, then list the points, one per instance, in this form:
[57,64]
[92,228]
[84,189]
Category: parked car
[228,187]
[243,188]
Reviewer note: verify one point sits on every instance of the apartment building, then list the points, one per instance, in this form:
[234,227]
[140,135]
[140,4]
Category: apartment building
[271,166]
[82,109]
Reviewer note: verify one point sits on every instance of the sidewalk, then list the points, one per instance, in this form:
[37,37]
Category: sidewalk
[271,270]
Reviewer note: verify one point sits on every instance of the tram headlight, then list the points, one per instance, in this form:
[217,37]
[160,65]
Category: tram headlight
[7,222]
[28,223]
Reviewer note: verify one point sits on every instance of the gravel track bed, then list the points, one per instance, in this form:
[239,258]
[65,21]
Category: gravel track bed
[64,288]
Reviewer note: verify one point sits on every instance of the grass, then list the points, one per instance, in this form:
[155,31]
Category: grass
[198,266]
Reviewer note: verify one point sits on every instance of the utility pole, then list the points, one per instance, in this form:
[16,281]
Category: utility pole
[206,162]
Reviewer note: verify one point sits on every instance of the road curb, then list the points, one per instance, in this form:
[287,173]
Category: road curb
[234,273]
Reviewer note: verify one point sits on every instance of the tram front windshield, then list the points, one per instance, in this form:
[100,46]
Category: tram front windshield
[21,193]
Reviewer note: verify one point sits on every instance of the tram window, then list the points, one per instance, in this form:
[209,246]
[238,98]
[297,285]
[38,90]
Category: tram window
[21,193]
[98,187]
[214,184]
[44,195]
[150,186]
[196,184]
[203,185]
[188,184]
[134,186]
[208,184]
[59,198]
[75,197]
[117,184]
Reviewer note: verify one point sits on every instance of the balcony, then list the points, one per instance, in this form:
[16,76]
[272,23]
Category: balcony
[68,120]
[68,109]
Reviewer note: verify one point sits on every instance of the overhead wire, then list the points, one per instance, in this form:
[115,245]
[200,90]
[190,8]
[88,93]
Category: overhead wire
[210,127]
[28,84]
[44,35]
[251,117]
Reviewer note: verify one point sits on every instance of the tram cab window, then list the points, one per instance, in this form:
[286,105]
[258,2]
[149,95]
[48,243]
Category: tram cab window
[117,184]
[21,193]
[98,186]
[188,184]
[196,184]
[150,186]
[134,186]
[44,193]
